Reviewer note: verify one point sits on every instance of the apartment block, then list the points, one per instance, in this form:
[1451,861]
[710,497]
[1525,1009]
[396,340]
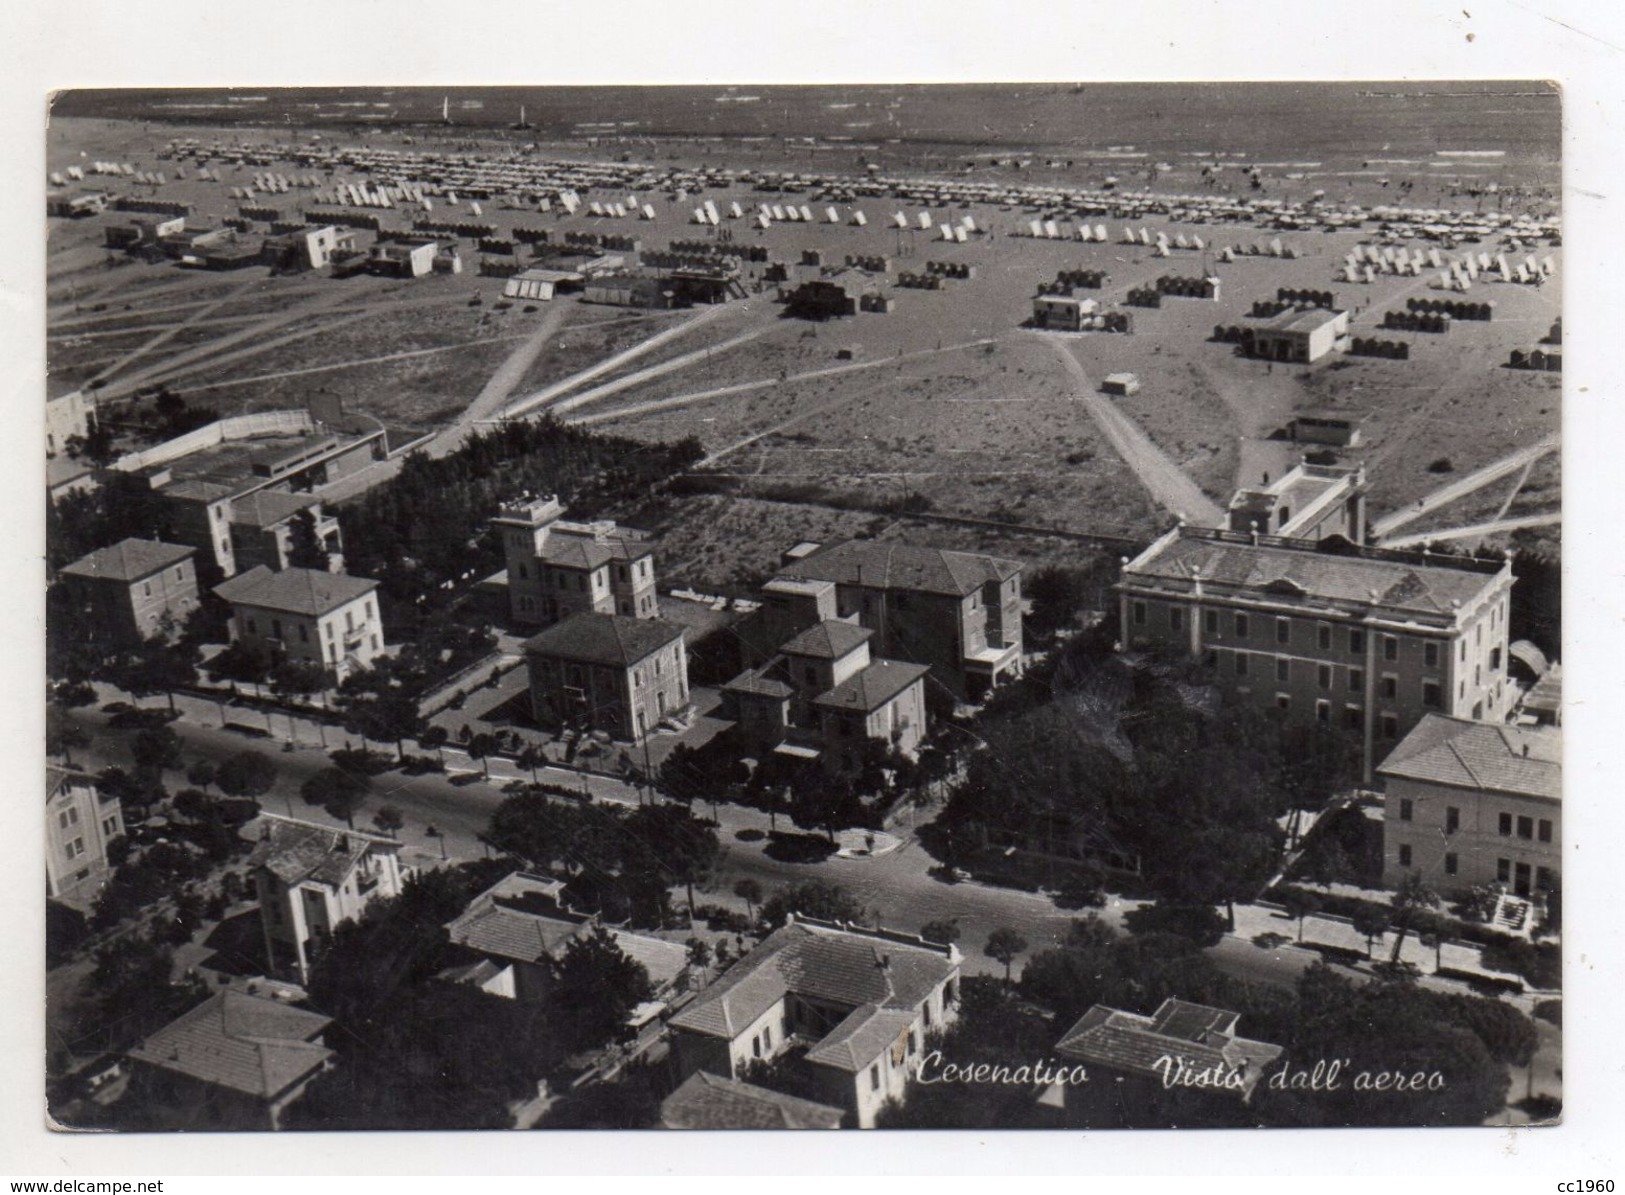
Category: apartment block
[558,568]
[327,619]
[132,590]
[609,672]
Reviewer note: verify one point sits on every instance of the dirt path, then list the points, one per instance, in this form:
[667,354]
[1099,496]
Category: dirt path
[169,333]
[404,355]
[500,385]
[565,385]
[609,389]
[1463,486]
[1499,527]
[1163,480]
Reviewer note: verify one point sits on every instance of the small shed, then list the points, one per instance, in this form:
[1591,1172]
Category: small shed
[1121,384]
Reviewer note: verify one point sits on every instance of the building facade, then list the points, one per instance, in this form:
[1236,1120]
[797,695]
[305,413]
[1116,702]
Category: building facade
[1301,337]
[861,1001]
[67,417]
[558,569]
[1367,639]
[310,878]
[80,823]
[1469,805]
[609,672]
[329,620]
[133,590]
[1306,502]
[958,613]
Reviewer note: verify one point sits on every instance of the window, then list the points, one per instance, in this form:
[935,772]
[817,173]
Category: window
[1390,648]
[109,827]
[1283,669]
[767,1037]
[1495,659]
[1543,879]
[1241,626]
[1430,694]
[1210,621]
[1407,809]
[1210,658]
[146,588]
[1450,864]
[524,573]
[177,574]
[1283,701]
[1323,712]
[1503,870]
[1504,825]
[1545,830]
[1357,643]
[1283,630]
[1452,819]
[1139,614]
[1526,827]
[252,629]
[1356,680]
[1324,673]
[1404,854]
[1390,726]
[304,633]
[1323,637]
[874,1077]
[1241,663]
[1430,654]
[756,1046]
[1353,717]
[1176,619]
[1390,685]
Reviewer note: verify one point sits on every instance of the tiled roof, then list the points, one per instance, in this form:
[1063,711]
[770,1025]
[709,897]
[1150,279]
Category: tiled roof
[867,1032]
[295,851]
[1301,572]
[267,508]
[197,490]
[613,639]
[763,681]
[839,966]
[663,960]
[576,551]
[1525,761]
[504,932]
[828,640]
[902,566]
[307,591]
[1130,1043]
[707,1101]
[872,688]
[129,560]
[247,1043]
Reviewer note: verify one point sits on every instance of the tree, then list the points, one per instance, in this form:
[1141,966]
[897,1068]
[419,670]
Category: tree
[155,666]
[531,757]
[821,801]
[1413,900]
[595,988]
[202,772]
[388,714]
[672,842]
[246,774]
[945,933]
[815,898]
[1372,921]
[1057,594]
[434,738]
[244,662]
[1298,905]
[1003,945]
[481,747]
[305,547]
[699,954]
[156,747]
[294,678]
[749,891]
[389,820]
[61,735]
[337,791]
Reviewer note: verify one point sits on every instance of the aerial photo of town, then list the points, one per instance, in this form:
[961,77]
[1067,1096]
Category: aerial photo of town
[791,607]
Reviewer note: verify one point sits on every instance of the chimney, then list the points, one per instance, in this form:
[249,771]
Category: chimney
[1526,750]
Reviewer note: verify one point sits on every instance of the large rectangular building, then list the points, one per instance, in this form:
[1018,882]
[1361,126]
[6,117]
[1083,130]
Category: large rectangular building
[330,620]
[133,590]
[1369,639]
[609,672]
[558,568]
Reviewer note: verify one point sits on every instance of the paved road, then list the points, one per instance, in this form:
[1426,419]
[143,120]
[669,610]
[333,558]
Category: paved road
[1165,481]
[1465,485]
[1476,530]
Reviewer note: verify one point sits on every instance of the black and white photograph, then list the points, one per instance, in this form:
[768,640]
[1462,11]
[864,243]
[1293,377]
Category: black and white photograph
[725,607]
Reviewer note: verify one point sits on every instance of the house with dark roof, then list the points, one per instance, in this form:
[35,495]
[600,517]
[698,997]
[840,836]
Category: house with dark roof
[707,1101]
[235,1061]
[330,620]
[132,590]
[1142,1069]
[1468,805]
[1367,639]
[558,568]
[824,695]
[510,934]
[958,613]
[609,672]
[309,878]
[855,1005]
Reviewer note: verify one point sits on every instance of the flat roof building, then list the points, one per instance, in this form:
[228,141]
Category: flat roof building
[1301,336]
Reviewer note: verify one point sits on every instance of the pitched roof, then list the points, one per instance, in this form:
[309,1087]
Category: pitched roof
[613,639]
[1300,570]
[578,551]
[663,960]
[707,1101]
[762,682]
[902,566]
[128,560]
[866,1033]
[872,688]
[308,591]
[828,640]
[247,1043]
[1193,1034]
[296,851]
[1302,321]
[1524,761]
[820,962]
